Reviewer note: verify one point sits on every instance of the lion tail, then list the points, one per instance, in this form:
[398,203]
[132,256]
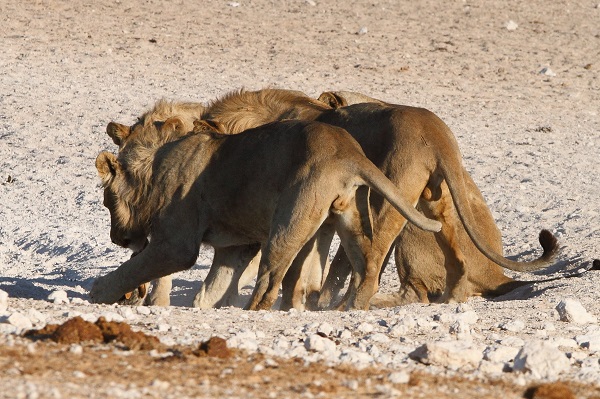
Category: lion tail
[374,178]
[456,186]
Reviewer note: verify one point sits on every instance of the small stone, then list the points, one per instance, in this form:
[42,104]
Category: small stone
[311,3]
[325,328]
[589,341]
[316,343]
[513,325]
[379,337]
[58,297]
[571,310]
[511,25]
[19,321]
[365,328]
[547,71]
[3,301]
[399,377]
[233,4]
[500,353]
[143,310]
[351,384]
[362,31]
[512,341]
[451,354]
[541,359]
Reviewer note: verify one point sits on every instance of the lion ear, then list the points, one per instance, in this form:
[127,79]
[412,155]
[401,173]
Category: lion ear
[173,125]
[117,132]
[332,99]
[108,166]
[208,125]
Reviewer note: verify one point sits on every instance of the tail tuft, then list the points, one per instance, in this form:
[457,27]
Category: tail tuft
[549,243]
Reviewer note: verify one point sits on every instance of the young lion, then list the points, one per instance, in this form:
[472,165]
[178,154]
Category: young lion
[206,188]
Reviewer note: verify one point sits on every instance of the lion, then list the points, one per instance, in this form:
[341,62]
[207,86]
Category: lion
[235,267]
[422,259]
[204,188]
[187,112]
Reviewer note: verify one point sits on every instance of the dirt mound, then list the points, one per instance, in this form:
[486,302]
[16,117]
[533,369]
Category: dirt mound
[77,330]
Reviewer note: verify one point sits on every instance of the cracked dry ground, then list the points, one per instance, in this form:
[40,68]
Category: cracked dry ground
[108,360]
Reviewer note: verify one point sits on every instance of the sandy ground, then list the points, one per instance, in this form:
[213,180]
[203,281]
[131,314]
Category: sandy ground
[517,82]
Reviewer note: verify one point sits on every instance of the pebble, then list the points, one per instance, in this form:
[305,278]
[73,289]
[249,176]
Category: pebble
[547,71]
[511,25]
[365,328]
[452,354]
[58,297]
[512,341]
[325,328]
[3,301]
[590,341]
[500,353]
[513,325]
[399,377]
[542,359]
[20,321]
[316,343]
[362,31]
[572,311]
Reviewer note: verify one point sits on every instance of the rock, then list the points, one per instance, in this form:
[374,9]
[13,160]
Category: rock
[245,339]
[311,3]
[512,341]
[500,353]
[589,341]
[357,358]
[316,343]
[571,310]
[362,31]
[58,297]
[325,328]
[20,321]
[379,337]
[451,354]
[547,71]
[365,328]
[513,325]
[511,25]
[143,310]
[399,377]
[542,359]
[3,301]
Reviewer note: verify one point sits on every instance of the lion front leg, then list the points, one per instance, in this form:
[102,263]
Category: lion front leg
[158,259]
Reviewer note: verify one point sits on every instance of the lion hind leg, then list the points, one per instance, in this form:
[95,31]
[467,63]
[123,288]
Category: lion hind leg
[295,222]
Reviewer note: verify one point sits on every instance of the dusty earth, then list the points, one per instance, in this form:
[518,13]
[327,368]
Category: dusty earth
[517,82]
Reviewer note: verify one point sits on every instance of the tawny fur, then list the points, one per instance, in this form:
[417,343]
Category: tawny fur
[204,188]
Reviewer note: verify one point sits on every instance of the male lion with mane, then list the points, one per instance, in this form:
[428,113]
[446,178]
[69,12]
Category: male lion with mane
[205,188]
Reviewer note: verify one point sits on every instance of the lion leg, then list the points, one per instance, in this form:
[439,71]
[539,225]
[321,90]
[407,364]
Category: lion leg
[161,292]
[302,282]
[295,222]
[159,259]
[220,287]
[339,271]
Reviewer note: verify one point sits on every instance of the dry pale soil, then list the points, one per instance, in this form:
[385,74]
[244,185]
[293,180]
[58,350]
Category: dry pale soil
[517,82]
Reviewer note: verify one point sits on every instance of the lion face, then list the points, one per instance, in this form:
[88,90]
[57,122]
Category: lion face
[126,229]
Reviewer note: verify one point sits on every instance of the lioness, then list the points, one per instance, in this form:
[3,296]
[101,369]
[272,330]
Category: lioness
[205,188]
